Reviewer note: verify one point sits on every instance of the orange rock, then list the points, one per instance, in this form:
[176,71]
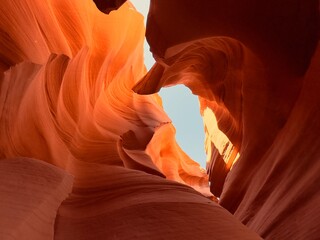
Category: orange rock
[67,73]
[66,99]
[255,68]
[31,192]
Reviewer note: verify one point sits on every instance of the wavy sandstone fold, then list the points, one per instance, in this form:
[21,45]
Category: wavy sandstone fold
[255,68]
[66,99]
[31,193]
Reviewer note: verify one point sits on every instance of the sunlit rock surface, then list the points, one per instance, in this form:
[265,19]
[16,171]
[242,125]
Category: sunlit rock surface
[67,109]
[255,68]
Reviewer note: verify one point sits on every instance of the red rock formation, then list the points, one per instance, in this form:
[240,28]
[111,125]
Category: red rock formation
[31,192]
[67,73]
[255,67]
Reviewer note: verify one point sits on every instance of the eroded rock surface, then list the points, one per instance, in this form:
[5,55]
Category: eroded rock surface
[31,192]
[255,68]
[66,101]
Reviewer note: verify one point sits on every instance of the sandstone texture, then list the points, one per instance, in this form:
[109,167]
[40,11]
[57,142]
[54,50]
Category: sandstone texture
[87,151]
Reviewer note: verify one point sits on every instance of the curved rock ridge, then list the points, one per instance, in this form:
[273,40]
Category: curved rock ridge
[258,93]
[103,205]
[66,99]
[31,193]
[68,95]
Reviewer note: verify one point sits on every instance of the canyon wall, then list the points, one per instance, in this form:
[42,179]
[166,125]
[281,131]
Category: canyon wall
[255,68]
[87,151]
[82,155]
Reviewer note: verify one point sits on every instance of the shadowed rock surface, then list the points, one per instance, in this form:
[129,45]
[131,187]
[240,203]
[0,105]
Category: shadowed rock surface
[255,68]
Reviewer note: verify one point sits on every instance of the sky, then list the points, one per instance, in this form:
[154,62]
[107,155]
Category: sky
[181,106]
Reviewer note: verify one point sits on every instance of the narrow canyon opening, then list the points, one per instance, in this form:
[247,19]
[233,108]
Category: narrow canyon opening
[183,109]
[180,105]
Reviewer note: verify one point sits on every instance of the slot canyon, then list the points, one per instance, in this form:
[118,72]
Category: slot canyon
[87,151]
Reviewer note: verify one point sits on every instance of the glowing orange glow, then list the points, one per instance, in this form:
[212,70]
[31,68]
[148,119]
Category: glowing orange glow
[214,135]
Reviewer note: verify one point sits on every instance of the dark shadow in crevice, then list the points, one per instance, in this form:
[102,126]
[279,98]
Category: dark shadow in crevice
[106,6]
